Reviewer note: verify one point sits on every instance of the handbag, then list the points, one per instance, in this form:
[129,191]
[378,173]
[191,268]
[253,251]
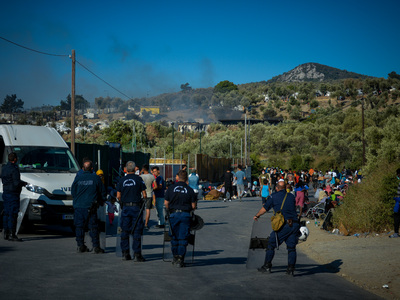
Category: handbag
[278,220]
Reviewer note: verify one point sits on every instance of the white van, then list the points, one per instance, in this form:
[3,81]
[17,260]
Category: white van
[47,165]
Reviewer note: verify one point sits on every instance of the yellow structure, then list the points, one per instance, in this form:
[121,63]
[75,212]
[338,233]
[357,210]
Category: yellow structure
[155,110]
[159,161]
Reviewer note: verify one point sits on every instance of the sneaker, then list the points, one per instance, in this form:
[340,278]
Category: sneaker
[98,250]
[6,234]
[224,200]
[394,235]
[126,255]
[139,257]
[160,226]
[83,249]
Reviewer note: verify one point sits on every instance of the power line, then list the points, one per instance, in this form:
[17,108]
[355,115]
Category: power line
[41,52]
[130,98]
[33,50]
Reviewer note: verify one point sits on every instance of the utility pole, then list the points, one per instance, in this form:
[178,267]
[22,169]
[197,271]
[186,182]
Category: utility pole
[363,127]
[241,151]
[200,141]
[134,137]
[245,137]
[73,104]
[200,137]
[249,142]
[173,145]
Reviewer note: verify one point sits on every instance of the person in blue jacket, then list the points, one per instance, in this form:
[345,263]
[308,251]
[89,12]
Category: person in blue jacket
[88,192]
[289,233]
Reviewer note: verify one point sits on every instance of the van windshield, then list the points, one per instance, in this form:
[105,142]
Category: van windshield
[45,159]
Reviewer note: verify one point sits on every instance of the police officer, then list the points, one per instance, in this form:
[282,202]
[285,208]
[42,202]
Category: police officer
[88,192]
[130,190]
[12,185]
[289,233]
[180,201]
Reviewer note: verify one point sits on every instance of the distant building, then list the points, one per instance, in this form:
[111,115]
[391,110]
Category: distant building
[90,115]
[155,110]
[191,127]
[270,120]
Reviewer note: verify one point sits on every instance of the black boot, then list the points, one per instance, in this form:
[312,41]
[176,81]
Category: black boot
[175,259]
[126,255]
[83,249]
[266,268]
[98,250]
[6,234]
[14,238]
[180,261]
[290,270]
[139,257]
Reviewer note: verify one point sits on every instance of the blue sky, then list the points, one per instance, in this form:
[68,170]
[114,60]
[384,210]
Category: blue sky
[145,48]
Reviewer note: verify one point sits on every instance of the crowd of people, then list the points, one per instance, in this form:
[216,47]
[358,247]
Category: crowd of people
[138,191]
[331,184]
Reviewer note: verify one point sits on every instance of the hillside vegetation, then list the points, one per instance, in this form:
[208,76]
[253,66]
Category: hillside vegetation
[331,135]
[320,130]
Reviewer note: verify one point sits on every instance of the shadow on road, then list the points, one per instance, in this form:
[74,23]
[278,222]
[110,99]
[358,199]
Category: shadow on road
[220,223]
[219,261]
[309,269]
[6,249]
[212,207]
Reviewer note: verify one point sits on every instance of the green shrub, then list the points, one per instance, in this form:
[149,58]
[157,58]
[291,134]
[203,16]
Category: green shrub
[314,104]
[368,207]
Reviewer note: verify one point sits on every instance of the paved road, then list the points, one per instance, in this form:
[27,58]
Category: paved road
[46,266]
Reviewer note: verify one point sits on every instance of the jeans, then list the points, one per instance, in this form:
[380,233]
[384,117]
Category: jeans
[240,190]
[180,232]
[160,210]
[82,218]
[11,208]
[289,235]
[128,219]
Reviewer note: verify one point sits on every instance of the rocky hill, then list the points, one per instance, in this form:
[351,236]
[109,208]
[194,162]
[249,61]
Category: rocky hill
[315,72]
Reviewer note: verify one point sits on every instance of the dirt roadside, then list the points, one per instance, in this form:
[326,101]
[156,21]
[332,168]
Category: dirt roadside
[369,261]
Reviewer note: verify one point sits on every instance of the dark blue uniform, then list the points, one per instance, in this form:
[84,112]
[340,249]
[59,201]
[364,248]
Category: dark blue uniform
[288,234]
[180,197]
[87,189]
[131,187]
[12,186]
